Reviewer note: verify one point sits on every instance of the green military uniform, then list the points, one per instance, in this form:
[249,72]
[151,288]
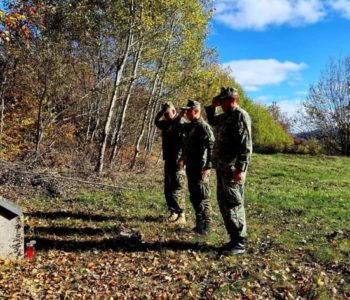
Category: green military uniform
[174,178]
[197,155]
[232,150]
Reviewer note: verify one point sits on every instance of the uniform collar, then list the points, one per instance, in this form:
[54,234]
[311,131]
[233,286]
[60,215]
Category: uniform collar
[233,109]
[197,121]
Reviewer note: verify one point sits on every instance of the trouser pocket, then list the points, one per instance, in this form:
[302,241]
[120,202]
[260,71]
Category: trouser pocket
[180,178]
[204,188]
[234,195]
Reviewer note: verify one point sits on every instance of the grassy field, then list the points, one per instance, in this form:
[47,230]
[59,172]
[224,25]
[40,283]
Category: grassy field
[116,245]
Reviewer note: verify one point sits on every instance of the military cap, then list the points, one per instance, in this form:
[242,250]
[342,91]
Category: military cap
[227,93]
[165,106]
[192,104]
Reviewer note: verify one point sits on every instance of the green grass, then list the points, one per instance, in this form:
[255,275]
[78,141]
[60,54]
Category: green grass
[302,198]
[298,224]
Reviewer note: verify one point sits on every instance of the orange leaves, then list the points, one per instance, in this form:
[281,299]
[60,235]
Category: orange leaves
[13,23]
[12,19]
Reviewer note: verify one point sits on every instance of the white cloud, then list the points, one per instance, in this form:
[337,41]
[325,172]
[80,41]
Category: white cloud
[290,107]
[342,6]
[253,74]
[258,15]
[263,98]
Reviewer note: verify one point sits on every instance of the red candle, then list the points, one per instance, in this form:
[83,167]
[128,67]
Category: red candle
[30,250]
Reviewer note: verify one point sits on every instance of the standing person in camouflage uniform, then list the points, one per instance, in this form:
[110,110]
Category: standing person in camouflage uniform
[232,152]
[174,177]
[197,154]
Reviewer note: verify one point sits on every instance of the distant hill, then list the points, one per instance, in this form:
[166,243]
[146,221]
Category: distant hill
[308,135]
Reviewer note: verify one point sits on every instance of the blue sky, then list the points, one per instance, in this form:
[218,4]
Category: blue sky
[277,48]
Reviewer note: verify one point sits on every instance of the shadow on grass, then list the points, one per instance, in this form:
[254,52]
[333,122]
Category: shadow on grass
[64,230]
[127,244]
[92,217]
[121,239]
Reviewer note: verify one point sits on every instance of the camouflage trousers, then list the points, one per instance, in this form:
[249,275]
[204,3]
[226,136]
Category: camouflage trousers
[174,187]
[230,197]
[199,196]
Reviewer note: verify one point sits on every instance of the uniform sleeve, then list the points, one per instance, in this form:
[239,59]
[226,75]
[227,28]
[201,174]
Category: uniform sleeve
[212,119]
[184,132]
[159,123]
[209,145]
[179,126]
[245,146]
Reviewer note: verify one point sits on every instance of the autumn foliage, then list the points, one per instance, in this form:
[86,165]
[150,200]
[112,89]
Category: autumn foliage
[81,81]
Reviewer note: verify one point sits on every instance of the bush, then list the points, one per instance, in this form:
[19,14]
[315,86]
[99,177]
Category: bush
[268,135]
[300,146]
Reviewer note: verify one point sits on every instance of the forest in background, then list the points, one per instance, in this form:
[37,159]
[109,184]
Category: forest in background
[80,83]
[81,80]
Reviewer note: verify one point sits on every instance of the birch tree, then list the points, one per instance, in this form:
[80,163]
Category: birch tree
[328,106]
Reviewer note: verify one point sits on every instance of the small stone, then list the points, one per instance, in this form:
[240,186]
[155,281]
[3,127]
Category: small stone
[11,231]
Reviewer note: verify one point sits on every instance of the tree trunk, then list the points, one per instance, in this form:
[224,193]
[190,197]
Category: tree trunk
[97,119]
[150,107]
[151,126]
[39,127]
[121,118]
[118,76]
[90,109]
[2,109]
[93,116]
[144,122]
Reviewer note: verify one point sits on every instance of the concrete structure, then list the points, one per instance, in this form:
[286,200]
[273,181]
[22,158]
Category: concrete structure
[11,231]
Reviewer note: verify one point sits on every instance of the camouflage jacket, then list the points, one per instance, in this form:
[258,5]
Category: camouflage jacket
[198,144]
[233,145]
[172,138]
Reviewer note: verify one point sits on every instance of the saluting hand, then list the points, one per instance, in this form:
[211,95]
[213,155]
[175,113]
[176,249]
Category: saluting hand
[215,102]
[159,114]
[182,113]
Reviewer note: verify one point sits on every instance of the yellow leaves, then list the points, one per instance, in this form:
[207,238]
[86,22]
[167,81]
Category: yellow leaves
[11,19]
[321,279]
[197,257]
[312,248]
[5,35]
[248,293]
[148,271]
[320,282]
[183,279]
[13,22]
[167,278]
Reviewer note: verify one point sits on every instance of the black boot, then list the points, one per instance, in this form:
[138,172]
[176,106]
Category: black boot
[234,247]
[206,227]
[199,228]
[203,228]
